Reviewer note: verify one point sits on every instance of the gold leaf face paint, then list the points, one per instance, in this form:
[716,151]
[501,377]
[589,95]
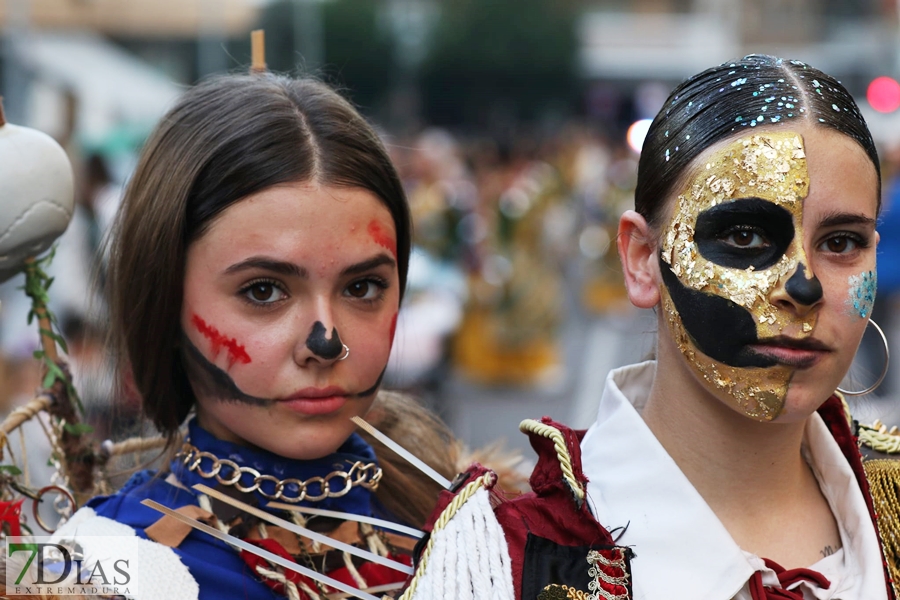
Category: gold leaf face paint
[734,239]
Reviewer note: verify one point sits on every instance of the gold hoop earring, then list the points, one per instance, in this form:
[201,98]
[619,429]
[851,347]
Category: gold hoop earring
[884,371]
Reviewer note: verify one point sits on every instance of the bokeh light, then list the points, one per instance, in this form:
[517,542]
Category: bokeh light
[884,94]
[636,134]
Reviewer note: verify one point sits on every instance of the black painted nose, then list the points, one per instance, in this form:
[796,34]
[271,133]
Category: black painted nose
[804,291]
[322,346]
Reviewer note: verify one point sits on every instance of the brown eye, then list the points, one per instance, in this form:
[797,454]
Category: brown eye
[263,292]
[837,245]
[359,289]
[749,239]
[844,243]
[369,289]
[743,238]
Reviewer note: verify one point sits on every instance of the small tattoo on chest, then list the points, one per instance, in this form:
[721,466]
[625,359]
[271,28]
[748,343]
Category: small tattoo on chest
[828,551]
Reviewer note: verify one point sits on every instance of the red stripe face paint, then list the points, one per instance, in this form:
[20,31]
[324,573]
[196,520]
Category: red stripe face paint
[236,352]
[383,238]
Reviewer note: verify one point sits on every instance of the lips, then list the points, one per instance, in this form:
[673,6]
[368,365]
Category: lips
[313,393]
[316,401]
[793,352]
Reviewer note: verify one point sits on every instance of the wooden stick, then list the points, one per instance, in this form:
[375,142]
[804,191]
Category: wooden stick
[258,51]
[132,445]
[303,531]
[387,587]
[403,452]
[348,517]
[269,556]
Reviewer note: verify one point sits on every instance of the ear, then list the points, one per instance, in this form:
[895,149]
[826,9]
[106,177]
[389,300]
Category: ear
[639,262]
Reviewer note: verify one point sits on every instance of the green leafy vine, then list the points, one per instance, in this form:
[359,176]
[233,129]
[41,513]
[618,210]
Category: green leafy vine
[37,282]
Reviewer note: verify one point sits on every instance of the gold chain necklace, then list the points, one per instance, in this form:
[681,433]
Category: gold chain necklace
[228,472]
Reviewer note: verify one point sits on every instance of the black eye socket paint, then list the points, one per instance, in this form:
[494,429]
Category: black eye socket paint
[803,290]
[214,382]
[773,221]
[719,328]
[320,345]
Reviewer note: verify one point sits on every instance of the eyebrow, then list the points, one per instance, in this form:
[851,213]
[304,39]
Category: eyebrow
[838,218]
[268,264]
[368,265]
[289,268]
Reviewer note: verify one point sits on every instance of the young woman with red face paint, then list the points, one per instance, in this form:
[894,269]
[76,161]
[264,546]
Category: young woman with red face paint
[728,467]
[258,265]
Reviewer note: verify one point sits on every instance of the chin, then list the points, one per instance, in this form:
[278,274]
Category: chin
[306,447]
[802,401]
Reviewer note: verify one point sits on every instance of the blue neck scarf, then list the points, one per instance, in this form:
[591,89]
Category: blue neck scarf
[358,500]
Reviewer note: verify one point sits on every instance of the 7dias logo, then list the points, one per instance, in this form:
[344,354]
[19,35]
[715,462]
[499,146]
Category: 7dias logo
[94,565]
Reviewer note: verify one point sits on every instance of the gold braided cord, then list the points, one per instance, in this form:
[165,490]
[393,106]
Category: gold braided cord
[882,442]
[875,436]
[845,405]
[562,452]
[884,483]
[486,480]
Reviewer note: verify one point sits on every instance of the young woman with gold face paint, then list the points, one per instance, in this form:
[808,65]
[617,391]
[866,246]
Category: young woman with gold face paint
[728,467]
[755,221]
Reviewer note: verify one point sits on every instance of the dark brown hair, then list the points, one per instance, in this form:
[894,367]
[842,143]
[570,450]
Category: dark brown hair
[732,99]
[225,139]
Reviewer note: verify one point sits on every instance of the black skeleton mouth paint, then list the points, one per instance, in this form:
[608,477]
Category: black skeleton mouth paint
[719,328]
[321,346]
[214,382]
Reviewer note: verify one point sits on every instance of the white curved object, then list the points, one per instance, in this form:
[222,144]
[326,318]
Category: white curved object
[37,195]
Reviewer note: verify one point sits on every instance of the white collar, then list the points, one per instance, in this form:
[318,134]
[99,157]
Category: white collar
[683,552]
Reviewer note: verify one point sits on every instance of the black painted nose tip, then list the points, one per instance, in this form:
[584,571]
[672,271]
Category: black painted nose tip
[804,291]
[322,346]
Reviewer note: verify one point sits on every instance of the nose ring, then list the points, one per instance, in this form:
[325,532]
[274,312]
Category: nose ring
[346,352]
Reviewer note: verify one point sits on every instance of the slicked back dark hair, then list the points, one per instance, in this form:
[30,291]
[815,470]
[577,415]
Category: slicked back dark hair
[733,99]
[226,138]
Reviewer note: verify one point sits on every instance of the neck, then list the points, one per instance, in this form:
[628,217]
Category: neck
[727,456]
